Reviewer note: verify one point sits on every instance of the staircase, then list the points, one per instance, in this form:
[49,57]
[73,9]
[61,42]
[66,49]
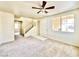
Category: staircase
[29,29]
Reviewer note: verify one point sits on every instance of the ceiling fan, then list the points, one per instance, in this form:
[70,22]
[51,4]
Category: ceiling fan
[42,8]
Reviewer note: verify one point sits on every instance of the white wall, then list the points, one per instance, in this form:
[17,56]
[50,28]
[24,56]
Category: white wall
[69,38]
[6,27]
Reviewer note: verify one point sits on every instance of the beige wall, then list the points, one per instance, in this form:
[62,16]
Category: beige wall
[69,38]
[6,27]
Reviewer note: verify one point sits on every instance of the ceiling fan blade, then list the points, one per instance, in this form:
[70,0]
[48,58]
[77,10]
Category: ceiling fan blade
[46,12]
[43,4]
[36,8]
[52,7]
[38,12]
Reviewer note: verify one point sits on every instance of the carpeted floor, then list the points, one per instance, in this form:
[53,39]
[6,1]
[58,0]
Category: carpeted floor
[33,47]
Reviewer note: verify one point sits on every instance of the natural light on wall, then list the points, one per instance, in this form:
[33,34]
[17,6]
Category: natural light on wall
[17,28]
[56,24]
[63,23]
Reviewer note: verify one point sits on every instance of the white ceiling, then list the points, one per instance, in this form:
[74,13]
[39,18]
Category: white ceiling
[24,8]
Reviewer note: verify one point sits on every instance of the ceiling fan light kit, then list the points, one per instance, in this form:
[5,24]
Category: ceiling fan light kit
[43,9]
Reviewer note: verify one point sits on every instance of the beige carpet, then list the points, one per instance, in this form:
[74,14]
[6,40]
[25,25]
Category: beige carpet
[33,47]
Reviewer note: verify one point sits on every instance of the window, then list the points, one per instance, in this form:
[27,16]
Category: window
[67,24]
[64,23]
